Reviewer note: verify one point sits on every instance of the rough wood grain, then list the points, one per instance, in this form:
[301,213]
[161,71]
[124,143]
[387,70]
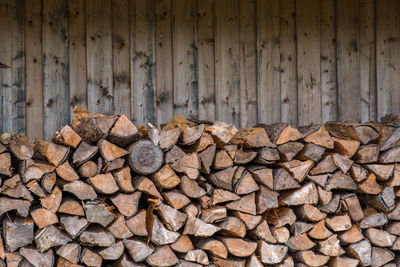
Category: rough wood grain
[99,56]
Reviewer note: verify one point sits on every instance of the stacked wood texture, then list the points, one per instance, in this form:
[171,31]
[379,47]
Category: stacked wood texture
[104,192]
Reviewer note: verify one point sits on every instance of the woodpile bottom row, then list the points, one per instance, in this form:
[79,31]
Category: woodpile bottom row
[104,192]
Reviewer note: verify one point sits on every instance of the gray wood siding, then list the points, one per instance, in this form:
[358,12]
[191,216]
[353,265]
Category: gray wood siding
[241,61]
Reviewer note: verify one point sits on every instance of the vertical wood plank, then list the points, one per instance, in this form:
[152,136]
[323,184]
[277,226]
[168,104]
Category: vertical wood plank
[99,56]
[367,60]
[143,62]
[77,54]
[227,61]
[163,59]
[13,84]
[247,52]
[348,66]
[185,58]
[206,58]
[18,68]
[328,61]
[388,57]
[268,61]
[55,65]
[5,60]
[308,61]
[288,62]
[120,57]
[33,69]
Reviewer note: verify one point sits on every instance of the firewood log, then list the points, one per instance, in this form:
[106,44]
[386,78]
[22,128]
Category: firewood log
[123,132]
[17,233]
[73,225]
[300,227]
[271,254]
[67,136]
[326,165]
[36,258]
[263,232]
[145,158]
[297,169]
[239,247]
[99,213]
[95,235]
[5,164]
[182,245]
[225,263]
[380,238]
[190,135]
[309,213]
[252,138]
[351,236]
[369,185]
[174,154]
[198,256]
[91,127]
[162,256]
[216,213]
[70,252]
[118,228]
[199,228]
[262,175]
[127,204]
[160,235]
[312,259]
[166,177]
[319,231]
[381,256]
[222,160]
[207,158]
[283,180]
[49,237]
[20,147]
[288,151]
[320,137]
[367,154]
[113,252]
[361,251]
[331,247]
[245,204]
[267,156]
[307,194]
[55,154]
[81,190]
[20,205]
[137,224]
[191,188]
[300,242]
[281,217]
[146,186]
[312,152]
[91,258]
[172,218]
[213,246]
[339,223]
[232,226]
[43,217]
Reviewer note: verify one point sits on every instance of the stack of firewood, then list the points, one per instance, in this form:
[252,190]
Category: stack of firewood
[104,192]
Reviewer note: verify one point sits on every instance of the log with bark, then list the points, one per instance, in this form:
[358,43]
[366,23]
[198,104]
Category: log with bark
[106,192]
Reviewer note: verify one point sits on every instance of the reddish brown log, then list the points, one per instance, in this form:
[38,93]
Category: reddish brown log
[67,136]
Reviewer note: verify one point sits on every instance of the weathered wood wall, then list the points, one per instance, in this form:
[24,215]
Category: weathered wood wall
[241,61]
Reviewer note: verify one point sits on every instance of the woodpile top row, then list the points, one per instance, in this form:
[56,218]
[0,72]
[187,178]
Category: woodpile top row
[104,192]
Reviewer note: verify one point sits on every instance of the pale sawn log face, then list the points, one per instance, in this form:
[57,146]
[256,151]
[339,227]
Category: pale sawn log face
[105,191]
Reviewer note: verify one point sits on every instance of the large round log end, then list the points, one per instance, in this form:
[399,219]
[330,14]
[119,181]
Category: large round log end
[145,158]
